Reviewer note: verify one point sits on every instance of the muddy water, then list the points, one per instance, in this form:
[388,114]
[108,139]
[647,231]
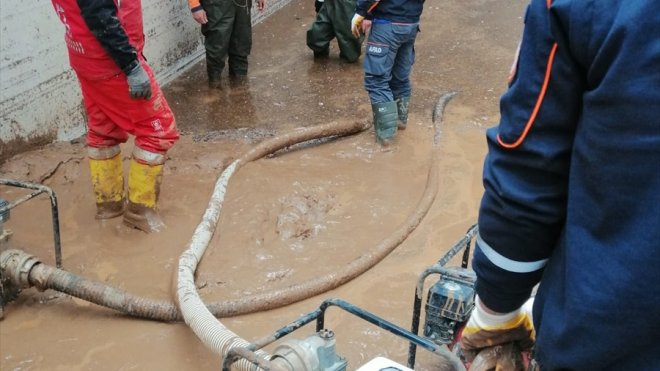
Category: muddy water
[286,218]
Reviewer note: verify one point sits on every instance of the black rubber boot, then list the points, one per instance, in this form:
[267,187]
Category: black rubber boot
[323,54]
[214,79]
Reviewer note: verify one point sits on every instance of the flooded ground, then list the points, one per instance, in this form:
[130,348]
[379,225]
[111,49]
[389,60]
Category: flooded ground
[287,218]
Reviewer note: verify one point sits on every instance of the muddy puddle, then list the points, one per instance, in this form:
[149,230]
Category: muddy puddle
[287,218]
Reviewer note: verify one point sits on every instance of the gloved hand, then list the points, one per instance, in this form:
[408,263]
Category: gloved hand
[139,84]
[355,25]
[488,337]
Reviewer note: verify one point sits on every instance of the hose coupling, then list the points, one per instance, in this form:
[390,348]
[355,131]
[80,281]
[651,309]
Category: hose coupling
[15,265]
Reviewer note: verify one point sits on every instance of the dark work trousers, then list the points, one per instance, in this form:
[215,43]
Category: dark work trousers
[334,20]
[227,34]
[390,54]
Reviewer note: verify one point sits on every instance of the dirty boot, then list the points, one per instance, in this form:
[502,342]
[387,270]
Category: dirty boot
[143,189]
[105,167]
[385,117]
[238,81]
[323,54]
[402,105]
[214,79]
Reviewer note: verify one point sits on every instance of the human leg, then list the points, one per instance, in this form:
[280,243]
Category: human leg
[154,127]
[240,43]
[144,180]
[155,133]
[105,164]
[378,62]
[341,14]
[321,32]
[400,82]
[217,33]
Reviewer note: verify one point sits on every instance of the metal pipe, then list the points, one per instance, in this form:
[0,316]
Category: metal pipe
[466,256]
[287,329]
[469,235]
[414,328]
[440,350]
[53,209]
[19,201]
[384,324]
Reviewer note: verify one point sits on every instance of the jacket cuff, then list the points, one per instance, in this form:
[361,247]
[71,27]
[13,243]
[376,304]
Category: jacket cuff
[197,8]
[500,290]
[130,66]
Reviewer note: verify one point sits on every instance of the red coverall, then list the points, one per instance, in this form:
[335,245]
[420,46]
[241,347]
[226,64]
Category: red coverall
[99,59]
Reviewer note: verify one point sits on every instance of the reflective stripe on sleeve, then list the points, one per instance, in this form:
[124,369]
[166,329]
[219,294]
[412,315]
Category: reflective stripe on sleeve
[506,263]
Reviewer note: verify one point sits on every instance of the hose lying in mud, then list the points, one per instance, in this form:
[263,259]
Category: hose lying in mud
[202,318]
[202,321]
[27,271]
[195,313]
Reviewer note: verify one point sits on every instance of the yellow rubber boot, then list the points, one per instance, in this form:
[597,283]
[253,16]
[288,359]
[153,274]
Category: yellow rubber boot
[143,189]
[108,184]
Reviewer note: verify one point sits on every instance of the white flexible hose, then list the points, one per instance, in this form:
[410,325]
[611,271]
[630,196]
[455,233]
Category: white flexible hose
[209,330]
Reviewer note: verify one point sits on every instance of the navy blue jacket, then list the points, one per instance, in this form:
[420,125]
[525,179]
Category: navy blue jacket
[398,11]
[572,185]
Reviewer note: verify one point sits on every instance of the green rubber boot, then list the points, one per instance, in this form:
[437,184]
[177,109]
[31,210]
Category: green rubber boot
[385,117]
[402,105]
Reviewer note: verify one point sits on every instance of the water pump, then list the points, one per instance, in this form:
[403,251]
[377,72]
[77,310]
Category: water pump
[449,304]
[8,291]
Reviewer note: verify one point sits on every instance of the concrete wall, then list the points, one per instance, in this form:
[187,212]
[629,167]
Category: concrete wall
[40,99]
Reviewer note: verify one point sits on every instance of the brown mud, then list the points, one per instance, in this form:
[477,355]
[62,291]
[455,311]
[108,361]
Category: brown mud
[287,218]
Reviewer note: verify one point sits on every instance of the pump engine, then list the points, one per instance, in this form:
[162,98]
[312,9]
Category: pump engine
[449,304]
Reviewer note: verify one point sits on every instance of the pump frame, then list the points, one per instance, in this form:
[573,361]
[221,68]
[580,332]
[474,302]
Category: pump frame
[248,352]
[39,189]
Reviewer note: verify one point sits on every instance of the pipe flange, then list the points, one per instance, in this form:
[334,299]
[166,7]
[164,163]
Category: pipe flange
[16,265]
[326,334]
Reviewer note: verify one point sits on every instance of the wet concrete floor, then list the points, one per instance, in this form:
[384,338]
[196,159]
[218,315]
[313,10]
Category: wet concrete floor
[286,218]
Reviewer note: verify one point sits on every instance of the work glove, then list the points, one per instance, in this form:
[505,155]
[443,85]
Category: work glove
[496,340]
[139,84]
[356,25]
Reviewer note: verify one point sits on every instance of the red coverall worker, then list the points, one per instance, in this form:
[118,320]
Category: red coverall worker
[105,40]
